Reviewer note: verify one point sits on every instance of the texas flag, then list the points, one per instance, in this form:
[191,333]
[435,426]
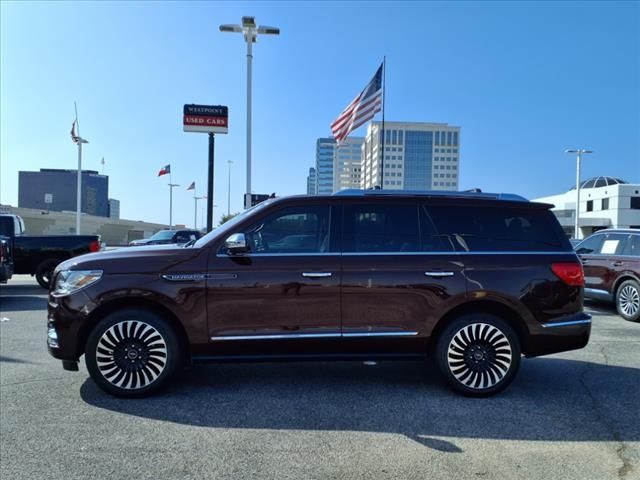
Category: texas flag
[164,170]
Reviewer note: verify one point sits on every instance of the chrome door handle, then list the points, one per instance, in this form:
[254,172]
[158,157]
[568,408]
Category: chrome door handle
[316,274]
[617,263]
[439,274]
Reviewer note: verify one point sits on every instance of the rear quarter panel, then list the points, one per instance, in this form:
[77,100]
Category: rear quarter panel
[525,283]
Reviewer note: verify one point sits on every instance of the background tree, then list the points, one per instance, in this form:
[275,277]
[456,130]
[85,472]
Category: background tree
[226,218]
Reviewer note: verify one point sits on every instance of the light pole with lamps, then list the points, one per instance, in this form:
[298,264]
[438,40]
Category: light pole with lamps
[250,31]
[579,152]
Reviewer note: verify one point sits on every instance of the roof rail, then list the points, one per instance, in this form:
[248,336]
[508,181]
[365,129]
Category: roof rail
[431,193]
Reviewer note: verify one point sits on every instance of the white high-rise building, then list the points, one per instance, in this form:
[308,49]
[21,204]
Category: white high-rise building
[418,156]
[347,164]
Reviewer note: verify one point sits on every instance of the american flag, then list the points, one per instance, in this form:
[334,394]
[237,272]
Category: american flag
[74,136]
[362,109]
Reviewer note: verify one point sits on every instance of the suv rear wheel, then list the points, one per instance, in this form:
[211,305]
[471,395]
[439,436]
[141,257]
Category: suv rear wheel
[132,353]
[628,300]
[478,354]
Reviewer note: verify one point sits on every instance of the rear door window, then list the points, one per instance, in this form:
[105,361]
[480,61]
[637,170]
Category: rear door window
[381,228]
[613,244]
[506,229]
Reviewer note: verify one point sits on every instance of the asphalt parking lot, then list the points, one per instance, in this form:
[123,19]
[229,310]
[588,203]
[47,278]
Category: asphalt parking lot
[569,416]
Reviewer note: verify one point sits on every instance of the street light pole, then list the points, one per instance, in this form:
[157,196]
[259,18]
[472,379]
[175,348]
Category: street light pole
[579,152]
[250,31]
[229,190]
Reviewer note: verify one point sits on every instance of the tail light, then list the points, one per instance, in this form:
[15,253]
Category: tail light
[570,273]
[94,246]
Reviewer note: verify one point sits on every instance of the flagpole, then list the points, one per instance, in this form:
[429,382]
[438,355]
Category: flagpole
[195,210]
[170,200]
[384,74]
[79,179]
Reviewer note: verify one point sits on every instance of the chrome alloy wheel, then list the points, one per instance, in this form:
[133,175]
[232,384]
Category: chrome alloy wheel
[131,354]
[629,300]
[479,355]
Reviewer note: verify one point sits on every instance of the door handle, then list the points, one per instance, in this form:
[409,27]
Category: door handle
[584,261]
[439,274]
[316,274]
[617,263]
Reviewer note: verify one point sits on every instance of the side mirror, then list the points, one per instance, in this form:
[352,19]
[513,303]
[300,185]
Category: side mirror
[236,243]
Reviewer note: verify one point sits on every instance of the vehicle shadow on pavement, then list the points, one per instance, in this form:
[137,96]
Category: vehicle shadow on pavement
[552,399]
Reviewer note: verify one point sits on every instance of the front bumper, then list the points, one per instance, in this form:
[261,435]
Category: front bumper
[66,317]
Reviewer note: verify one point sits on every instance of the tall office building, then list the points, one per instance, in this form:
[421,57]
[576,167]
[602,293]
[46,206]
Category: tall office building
[311,181]
[55,189]
[114,208]
[325,148]
[418,156]
[347,164]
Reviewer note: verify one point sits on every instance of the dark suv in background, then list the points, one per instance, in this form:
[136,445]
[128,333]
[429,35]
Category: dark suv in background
[164,237]
[611,260]
[475,279]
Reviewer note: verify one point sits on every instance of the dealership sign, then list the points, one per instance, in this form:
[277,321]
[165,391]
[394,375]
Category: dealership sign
[205,118]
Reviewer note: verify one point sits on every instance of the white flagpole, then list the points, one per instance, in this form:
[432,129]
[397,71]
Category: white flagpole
[79,181]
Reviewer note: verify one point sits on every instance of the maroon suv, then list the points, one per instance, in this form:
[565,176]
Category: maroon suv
[475,279]
[611,260]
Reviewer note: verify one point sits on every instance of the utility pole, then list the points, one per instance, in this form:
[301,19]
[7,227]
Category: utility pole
[579,152]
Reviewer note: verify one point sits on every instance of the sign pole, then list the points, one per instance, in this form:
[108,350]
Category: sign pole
[210,183]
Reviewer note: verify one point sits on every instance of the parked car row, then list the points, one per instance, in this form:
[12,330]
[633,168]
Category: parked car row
[165,237]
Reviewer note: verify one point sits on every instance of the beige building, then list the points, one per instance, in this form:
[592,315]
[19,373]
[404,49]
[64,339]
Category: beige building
[418,156]
[347,164]
[113,231]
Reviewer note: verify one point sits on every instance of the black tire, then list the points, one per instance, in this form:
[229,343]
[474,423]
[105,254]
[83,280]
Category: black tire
[478,354]
[44,272]
[628,300]
[132,353]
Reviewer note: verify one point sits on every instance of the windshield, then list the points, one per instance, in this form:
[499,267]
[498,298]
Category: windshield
[227,227]
[162,235]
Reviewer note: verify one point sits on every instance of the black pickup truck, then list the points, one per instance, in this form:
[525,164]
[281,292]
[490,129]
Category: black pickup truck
[39,255]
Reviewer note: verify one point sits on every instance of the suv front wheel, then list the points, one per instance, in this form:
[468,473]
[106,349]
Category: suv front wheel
[478,354]
[628,300]
[132,353]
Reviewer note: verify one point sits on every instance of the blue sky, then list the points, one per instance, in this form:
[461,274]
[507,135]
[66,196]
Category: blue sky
[523,80]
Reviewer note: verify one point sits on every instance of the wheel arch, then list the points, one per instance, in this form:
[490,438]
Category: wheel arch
[619,281]
[491,307]
[131,302]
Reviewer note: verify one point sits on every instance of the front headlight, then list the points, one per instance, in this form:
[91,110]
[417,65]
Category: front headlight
[70,281]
